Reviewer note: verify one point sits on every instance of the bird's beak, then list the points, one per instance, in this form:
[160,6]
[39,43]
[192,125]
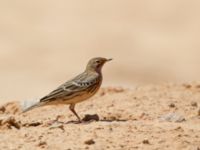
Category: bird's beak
[109,59]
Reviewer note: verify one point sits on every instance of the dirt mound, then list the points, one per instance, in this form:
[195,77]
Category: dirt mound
[10,108]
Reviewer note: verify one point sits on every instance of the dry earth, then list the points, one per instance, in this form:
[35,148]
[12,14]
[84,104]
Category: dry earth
[152,117]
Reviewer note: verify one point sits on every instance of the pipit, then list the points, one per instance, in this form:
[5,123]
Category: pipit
[77,89]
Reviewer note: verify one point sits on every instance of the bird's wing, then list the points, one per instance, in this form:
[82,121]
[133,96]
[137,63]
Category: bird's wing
[72,88]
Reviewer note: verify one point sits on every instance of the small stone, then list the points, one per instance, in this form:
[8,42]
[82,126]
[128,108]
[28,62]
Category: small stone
[187,86]
[172,105]
[145,142]
[12,108]
[172,117]
[194,104]
[88,117]
[10,122]
[2,109]
[42,143]
[32,124]
[89,142]
[179,129]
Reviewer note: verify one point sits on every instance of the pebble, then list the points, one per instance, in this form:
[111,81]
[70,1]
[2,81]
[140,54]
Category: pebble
[42,143]
[172,105]
[89,142]
[194,104]
[145,142]
[10,122]
[88,117]
[172,117]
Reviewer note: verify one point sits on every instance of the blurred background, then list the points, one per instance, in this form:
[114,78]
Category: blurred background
[43,43]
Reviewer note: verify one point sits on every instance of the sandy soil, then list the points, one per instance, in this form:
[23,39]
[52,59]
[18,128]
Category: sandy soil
[156,117]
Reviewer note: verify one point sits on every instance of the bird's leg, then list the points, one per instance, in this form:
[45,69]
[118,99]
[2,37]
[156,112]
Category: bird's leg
[71,107]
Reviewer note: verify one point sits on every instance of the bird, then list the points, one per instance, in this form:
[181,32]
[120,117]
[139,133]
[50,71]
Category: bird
[78,89]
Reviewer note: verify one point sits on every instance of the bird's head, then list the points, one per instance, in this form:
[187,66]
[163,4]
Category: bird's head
[95,64]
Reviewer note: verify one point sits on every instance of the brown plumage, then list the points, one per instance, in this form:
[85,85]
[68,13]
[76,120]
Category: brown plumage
[77,89]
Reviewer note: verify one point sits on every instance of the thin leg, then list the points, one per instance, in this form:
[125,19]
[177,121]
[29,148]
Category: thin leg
[71,107]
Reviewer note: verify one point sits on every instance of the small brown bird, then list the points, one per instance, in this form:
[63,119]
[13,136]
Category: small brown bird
[77,89]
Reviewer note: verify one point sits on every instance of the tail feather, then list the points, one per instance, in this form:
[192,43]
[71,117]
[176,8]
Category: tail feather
[32,107]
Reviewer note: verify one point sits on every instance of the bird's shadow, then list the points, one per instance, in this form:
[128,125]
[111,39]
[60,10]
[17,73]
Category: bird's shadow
[90,121]
[87,119]
[94,118]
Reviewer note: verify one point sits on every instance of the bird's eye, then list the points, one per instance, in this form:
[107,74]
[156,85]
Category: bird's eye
[97,61]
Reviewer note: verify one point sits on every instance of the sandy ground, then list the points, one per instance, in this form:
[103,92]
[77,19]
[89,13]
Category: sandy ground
[152,117]
[45,43]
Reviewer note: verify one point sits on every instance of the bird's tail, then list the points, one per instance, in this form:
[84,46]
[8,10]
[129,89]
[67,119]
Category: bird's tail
[32,107]
[30,104]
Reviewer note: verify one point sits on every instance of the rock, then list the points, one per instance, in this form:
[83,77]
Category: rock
[172,105]
[32,124]
[10,108]
[172,117]
[145,142]
[194,104]
[42,144]
[89,142]
[88,117]
[187,86]
[9,122]
[179,128]
[2,109]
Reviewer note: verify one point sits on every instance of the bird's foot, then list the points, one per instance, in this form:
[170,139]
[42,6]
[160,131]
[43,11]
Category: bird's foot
[79,122]
[86,120]
[74,122]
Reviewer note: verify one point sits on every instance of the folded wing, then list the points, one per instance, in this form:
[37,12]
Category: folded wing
[72,88]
